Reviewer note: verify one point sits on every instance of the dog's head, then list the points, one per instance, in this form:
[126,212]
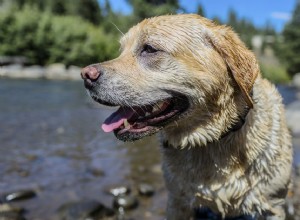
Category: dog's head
[173,68]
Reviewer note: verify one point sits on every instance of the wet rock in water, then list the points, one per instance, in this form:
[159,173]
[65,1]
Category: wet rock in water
[126,202]
[11,216]
[24,173]
[118,190]
[156,169]
[293,117]
[146,189]
[95,171]
[297,169]
[296,80]
[10,208]
[18,195]
[83,210]
[8,212]
[205,214]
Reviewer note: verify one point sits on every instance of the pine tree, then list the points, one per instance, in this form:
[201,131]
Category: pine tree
[200,10]
[291,36]
[149,8]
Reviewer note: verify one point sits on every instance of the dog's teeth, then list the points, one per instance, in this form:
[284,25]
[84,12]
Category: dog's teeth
[126,123]
[158,106]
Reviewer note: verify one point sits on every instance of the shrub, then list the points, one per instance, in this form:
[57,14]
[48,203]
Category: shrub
[46,38]
[276,74]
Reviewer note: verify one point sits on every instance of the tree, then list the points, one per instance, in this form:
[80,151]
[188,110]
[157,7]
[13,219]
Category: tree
[200,10]
[87,9]
[291,47]
[149,8]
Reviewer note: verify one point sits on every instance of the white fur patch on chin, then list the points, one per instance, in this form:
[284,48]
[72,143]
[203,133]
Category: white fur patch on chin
[197,138]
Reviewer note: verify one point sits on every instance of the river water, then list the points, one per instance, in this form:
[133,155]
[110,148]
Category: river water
[51,141]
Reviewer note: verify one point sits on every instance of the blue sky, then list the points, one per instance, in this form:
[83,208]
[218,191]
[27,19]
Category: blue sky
[277,12]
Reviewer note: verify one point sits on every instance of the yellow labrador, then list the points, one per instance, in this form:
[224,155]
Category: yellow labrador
[225,143]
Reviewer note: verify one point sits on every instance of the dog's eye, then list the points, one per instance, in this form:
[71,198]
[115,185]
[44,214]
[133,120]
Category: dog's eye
[149,49]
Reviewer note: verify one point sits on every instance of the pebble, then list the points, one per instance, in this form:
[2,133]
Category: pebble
[146,189]
[156,169]
[118,190]
[11,216]
[127,202]
[297,168]
[8,212]
[18,195]
[10,208]
[85,210]
[96,171]
[207,214]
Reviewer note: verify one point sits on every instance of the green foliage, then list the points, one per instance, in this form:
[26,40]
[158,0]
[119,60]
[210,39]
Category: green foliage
[46,38]
[86,9]
[290,50]
[276,74]
[149,8]
[81,31]
[243,27]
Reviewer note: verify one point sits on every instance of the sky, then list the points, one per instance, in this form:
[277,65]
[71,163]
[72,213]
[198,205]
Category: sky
[276,12]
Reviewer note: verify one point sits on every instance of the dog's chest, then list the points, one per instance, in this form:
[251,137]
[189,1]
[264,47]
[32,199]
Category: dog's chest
[199,178]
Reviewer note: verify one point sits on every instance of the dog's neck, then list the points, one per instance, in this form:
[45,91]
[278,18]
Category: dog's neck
[234,128]
[237,125]
[201,129]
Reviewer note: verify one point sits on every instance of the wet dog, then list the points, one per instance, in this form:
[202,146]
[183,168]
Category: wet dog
[224,138]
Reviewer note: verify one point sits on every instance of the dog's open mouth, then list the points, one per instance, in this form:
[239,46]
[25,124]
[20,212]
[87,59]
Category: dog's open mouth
[132,123]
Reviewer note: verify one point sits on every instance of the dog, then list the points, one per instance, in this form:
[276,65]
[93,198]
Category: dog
[225,143]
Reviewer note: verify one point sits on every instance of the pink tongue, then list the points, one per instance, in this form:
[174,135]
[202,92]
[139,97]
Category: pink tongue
[116,119]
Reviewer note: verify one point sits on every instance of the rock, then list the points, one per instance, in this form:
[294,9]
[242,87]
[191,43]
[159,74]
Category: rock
[156,169]
[9,208]
[56,71]
[11,71]
[74,73]
[8,60]
[146,189]
[205,213]
[127,202]
[297,169]
[60,130]
[293,117]
[83,210]
[18,195]
[17,71]
[8,212]
[296,80]
[95,171]
[33,72]
[118,190]
[11,216]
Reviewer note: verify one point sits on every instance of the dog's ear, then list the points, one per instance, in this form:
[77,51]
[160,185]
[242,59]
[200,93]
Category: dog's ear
[238,58]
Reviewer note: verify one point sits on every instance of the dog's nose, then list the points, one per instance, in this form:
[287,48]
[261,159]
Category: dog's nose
[90,73]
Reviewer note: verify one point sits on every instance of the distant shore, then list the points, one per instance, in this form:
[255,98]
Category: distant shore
[56,71]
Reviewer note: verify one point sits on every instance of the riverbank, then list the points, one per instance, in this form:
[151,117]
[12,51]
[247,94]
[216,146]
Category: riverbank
[56,71]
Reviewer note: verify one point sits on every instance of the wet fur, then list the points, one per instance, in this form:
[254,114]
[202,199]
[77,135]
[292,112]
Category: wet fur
[247,171]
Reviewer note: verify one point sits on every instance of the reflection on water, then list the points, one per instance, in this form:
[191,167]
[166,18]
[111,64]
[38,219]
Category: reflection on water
[51,141]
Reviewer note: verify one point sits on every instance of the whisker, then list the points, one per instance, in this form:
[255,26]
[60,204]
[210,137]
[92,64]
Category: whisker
[117,28]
